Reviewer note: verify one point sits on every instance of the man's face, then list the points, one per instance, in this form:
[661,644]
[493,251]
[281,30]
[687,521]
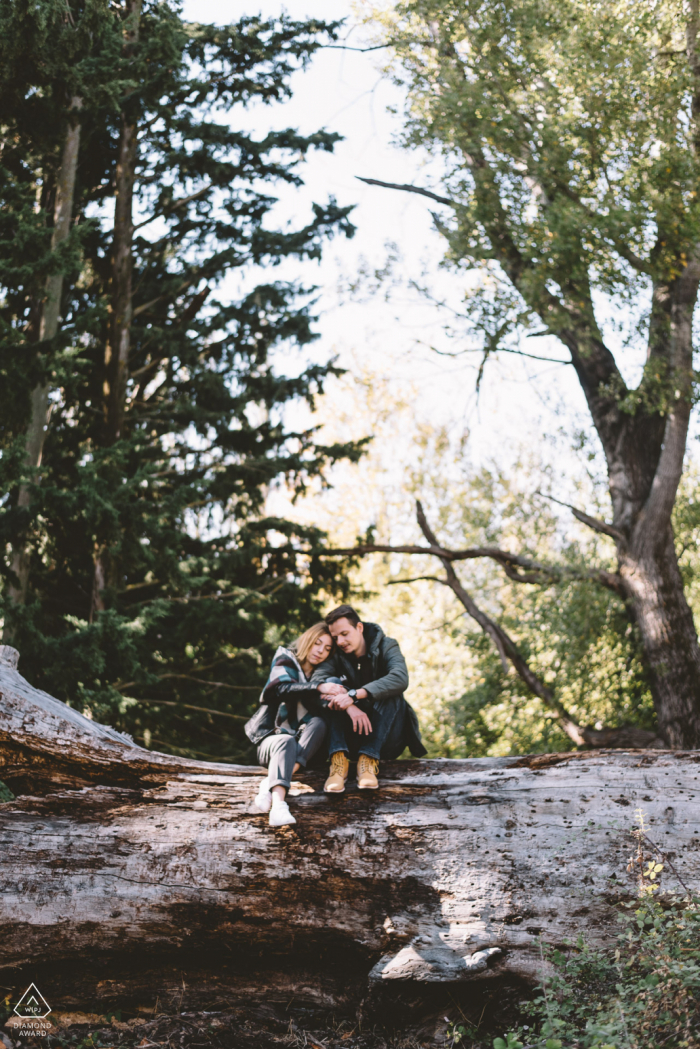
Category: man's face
[348,637]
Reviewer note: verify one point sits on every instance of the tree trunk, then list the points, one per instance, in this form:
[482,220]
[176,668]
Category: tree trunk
[669,639]
[48,327]
[121,306]
[130,876]
[644,481]
[117,350]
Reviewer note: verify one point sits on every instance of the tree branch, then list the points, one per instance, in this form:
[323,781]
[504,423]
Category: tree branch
[344,47]
[410,189]
[190,706]
[505,646]
[195,277]
[570,317]
[593,522]
[174,206]
[519,569]
[626,735]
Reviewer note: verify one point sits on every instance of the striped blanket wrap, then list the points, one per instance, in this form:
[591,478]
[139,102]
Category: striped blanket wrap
[287,669]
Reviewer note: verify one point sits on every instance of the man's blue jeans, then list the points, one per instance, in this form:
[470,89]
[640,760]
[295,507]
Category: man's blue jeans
[384,741]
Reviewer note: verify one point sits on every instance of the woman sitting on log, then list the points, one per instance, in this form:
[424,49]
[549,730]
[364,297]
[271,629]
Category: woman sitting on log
[288,726]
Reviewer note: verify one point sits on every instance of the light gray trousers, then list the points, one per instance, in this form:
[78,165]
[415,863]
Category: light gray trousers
[280,752]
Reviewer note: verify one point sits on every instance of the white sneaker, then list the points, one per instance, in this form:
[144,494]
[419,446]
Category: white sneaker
[263,799]
[280,816]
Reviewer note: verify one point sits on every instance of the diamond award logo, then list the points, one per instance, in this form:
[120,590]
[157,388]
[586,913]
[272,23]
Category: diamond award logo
[32,1005]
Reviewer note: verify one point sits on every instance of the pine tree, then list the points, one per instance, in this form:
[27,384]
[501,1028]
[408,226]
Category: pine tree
[157,588]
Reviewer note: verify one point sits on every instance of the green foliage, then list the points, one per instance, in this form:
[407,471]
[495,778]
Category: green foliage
[642,994]
[5,1010]
[580,110]
[576,634]
[5,793]
[201,582]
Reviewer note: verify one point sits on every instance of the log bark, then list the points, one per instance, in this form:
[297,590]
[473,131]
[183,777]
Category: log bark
[130,876]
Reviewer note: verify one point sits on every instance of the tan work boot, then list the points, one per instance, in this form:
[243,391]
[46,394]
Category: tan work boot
[340,766]
[367,769]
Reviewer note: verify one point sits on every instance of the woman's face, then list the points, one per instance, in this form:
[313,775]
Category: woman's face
[320,650]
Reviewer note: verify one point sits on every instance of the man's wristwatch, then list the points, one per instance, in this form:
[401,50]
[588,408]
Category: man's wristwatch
[352,692]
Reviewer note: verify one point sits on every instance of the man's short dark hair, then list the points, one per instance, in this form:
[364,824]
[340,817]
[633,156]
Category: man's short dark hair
[343,612]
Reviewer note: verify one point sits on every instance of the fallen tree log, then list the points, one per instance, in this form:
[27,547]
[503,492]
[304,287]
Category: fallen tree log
[129,877]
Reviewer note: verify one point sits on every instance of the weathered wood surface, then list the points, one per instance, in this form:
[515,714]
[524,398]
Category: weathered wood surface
[161,880]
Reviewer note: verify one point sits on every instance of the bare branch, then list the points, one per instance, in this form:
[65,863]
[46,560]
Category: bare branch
[410,189]
[190,706]
[593,522]
[506,647]
[518,568]
[499,349]
[344,47]
[416,579]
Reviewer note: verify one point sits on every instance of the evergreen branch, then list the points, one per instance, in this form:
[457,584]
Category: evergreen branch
[174,207]
[196,276]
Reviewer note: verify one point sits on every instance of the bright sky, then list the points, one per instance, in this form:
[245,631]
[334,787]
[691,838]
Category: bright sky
[344,91]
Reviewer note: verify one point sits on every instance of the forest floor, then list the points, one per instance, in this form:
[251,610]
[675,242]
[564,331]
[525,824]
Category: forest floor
[231,1029]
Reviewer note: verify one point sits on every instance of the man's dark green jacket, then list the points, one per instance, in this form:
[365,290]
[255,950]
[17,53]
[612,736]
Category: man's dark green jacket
[390,679]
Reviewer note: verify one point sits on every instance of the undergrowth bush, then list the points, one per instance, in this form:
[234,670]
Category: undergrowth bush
[643,993]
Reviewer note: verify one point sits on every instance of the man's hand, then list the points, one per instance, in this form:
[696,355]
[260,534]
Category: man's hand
[340,701]
[336,695]
[332,688]
[360,720]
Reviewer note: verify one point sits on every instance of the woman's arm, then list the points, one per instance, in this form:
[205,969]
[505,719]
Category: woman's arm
[300,692]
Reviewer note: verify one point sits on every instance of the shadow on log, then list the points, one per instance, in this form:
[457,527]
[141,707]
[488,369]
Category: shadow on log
[129,876]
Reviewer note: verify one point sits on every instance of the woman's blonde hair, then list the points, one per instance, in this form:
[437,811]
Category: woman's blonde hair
[303,645]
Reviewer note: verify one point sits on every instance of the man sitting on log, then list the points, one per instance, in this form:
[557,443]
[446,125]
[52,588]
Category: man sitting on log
[368,716]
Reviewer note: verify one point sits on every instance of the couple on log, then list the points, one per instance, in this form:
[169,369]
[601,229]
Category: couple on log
[337,692]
